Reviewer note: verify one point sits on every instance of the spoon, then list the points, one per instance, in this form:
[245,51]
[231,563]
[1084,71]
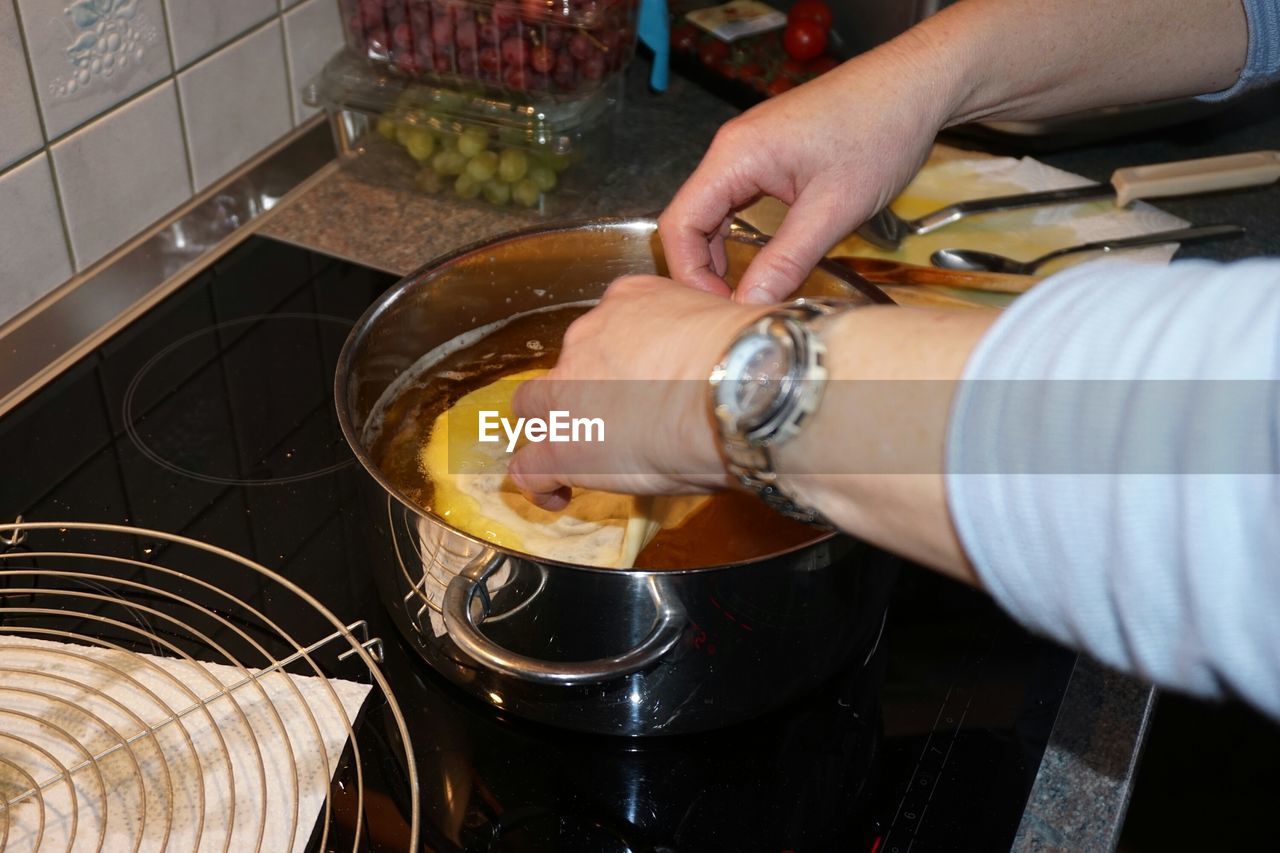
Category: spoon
[973,259]
[887,229]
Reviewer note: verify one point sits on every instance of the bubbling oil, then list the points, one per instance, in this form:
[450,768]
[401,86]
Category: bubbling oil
[731,527]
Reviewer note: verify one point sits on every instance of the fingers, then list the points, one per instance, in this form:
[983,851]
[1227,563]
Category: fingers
[811,227]
[694,225]
[530,469]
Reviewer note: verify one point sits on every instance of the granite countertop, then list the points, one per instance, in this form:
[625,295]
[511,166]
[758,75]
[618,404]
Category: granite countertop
[639,161]
[1084,781]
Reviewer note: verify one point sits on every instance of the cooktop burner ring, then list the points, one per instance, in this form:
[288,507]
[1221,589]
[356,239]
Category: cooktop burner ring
[130,418]
[97,722]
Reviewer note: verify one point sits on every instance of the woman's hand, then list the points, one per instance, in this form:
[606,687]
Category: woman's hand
[640,362]
[837,150]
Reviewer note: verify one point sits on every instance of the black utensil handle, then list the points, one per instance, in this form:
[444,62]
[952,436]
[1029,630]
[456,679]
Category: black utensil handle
[1178,235]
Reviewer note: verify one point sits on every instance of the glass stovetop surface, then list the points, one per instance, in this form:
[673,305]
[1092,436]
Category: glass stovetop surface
[212,417]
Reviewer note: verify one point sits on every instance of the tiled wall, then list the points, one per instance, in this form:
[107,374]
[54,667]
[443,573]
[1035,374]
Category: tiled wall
[114,112]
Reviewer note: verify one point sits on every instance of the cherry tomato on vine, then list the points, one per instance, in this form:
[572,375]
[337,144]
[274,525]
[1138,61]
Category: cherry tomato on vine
[804,40]
[810,10]
[712,52]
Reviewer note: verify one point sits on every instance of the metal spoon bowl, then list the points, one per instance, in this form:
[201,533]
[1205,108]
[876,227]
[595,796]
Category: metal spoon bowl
[975,260]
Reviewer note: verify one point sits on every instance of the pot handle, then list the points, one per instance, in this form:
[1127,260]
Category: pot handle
[464,632]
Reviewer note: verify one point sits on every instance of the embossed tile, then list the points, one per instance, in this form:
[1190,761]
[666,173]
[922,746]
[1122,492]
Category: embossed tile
[312,34]
[20,128]
[121,173]
[33,252]
[89,55]
[198,26]
[235,103]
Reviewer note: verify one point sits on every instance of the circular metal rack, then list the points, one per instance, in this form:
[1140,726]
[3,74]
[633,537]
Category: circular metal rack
[151,697]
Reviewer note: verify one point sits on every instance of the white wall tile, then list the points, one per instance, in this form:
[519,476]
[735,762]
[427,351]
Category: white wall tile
[86,61]
[19,124]
[198,26]
[313,33]
[121,173]
[33,251]
[235,103]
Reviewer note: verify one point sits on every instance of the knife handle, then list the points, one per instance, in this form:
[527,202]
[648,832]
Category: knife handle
[1186,177]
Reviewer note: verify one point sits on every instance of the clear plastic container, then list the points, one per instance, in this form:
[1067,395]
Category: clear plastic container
[467,143]
[551,48]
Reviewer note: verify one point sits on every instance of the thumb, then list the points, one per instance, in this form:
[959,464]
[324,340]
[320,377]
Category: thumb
[532,470]
[814,224]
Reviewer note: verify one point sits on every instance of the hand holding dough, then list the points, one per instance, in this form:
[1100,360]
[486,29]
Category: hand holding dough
[473,494]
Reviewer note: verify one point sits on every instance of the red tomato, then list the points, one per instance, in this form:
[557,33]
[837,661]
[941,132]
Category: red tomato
[810,10]
[804,40]
[779,85]
[822,65]
[684,37]
[712,52]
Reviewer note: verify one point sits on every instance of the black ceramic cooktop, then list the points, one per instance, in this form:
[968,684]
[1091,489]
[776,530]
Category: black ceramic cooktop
[212,417]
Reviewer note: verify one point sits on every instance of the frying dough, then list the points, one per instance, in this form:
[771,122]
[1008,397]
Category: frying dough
[473,493]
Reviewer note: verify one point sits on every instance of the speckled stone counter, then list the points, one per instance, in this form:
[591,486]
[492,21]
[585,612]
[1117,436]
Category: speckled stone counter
[638,162]
[1082,787]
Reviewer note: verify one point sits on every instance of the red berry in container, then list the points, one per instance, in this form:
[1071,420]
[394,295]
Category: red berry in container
[466,62]
[402,36]
[592,67]
[552,36]
[580,46]
[534,10]
[513,51]
[516,77]
[443,62]
[442,31]
[490,33]
[506,15]
[465,35]
[489,59]
[542,59]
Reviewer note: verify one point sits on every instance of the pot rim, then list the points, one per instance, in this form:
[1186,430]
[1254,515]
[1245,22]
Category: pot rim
[425,273]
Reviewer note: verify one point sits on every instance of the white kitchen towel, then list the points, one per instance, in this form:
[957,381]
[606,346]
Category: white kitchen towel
[251,773]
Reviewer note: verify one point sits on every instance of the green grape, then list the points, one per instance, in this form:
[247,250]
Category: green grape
[387,128]
[420,144]
[552,160]
[466,186]
[483,166]
[543,178]
[525,192]
[472,141]
[449,162]
[496,192]
[512,164]
[404,132]
[429,180]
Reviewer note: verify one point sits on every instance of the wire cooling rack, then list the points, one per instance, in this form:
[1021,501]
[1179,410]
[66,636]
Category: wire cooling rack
[161,692]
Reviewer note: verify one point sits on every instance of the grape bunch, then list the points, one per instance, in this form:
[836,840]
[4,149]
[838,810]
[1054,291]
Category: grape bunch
[537,46]
[473,163]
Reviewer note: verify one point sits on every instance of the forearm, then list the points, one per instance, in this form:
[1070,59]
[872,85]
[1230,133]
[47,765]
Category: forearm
[872,457]
[1020,59]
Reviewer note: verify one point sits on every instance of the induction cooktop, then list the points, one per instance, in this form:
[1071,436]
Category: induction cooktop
[211,417]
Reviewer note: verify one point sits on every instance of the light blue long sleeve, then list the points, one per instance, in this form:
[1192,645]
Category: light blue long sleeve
[1262,61]
[1076,414]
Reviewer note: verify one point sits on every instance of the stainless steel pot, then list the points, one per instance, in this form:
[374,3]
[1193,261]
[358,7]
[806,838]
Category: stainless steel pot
[601,650]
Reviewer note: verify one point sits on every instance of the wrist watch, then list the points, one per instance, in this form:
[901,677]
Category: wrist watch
[763,390]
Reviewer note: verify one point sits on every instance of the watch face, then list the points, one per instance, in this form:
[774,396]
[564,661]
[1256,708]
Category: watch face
[755,370]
